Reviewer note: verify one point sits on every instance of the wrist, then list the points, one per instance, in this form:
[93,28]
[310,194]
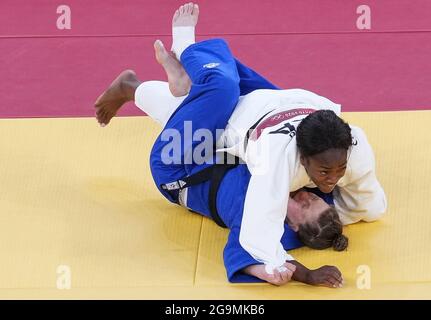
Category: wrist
[309,277]
[302,273]
[256,270]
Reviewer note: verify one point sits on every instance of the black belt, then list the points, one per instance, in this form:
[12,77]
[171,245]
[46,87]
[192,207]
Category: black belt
[215,174]
[247,136]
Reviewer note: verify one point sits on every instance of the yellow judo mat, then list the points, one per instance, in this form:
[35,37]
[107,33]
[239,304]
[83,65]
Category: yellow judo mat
[80,218]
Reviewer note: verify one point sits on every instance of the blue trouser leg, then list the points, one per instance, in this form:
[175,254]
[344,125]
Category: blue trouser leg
[209,105]
[249,81]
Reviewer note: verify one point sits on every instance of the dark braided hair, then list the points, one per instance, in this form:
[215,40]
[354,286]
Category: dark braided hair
[324,233]
[320,131]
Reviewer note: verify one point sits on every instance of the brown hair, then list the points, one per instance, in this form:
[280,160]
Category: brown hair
[326,232]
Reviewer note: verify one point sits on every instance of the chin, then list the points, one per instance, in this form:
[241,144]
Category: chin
[326,189]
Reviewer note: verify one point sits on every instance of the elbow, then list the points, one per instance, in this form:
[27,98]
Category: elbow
[377,211]
[374,216]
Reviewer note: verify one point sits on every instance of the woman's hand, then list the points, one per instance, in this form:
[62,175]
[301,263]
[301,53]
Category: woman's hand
[328,276]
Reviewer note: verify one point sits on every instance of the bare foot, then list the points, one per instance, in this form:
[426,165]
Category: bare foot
[179,81]
[186,16]
[119,92]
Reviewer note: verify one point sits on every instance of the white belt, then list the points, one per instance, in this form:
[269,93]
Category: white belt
[182,197]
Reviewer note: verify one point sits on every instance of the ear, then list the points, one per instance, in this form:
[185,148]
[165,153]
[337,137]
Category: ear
[303,160]
[292,226]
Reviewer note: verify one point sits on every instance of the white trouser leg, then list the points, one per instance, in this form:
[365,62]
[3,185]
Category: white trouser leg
[155,99]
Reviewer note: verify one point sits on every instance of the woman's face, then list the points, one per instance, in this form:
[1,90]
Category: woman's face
[304,207]
[326,168]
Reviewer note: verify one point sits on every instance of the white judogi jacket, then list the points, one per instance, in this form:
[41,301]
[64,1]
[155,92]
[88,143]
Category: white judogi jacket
[273,159]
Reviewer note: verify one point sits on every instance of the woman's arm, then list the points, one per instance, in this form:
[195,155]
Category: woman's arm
[328,276]
[278,278]
[361,197]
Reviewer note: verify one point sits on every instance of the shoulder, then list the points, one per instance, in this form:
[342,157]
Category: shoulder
[361,157]
[262,93]
[359,140]
[306,97]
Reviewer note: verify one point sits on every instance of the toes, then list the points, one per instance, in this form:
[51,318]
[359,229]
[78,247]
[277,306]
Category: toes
[109,117]
[158,45]
[102,117]
[99,120]
[105,121]
[160,51]
[106,117]
[189,8]
[176,15]
[98,110]
[97,103]
[186,7]
[195,10]
[99,115]
[181,10]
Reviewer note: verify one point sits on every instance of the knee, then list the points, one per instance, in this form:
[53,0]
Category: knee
[162,174]
[158,165]
[226,89]
[230,87]
[224,79]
